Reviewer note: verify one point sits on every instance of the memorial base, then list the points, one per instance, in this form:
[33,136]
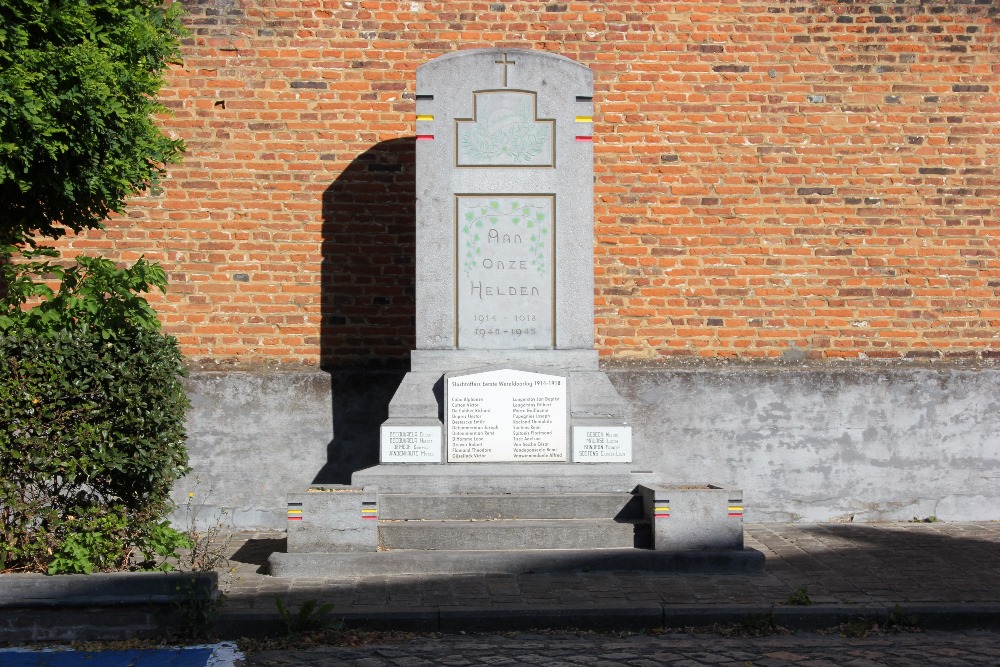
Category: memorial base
[466,478]
[595,427]
[512,518]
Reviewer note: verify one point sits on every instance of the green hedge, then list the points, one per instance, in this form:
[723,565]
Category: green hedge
[91,441]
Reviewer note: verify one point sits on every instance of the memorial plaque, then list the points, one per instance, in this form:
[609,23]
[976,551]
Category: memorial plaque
[602,444]
[505,269]
[504,133]
[506,416]
[411,444]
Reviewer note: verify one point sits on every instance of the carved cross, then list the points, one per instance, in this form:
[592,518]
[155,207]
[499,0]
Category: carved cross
[505,62]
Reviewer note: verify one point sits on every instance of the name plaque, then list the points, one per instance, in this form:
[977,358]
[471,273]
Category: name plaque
[505,272]
[602,444]
[506,416]
[411,444]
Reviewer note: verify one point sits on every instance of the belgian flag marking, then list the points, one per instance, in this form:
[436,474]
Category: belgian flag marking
[295,511]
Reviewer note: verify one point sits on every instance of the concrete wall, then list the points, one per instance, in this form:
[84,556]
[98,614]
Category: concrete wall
[805,443]
[257,434]
[816,444]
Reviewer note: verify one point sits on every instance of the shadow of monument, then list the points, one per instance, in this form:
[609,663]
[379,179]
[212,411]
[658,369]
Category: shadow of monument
[368,305]
[884,564]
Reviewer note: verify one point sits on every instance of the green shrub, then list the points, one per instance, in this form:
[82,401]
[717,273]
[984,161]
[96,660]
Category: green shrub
[91,422]
[78,86]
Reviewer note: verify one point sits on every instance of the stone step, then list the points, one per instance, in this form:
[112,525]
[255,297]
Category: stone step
[395,506]
[430,563]
[513,534]
[504,478]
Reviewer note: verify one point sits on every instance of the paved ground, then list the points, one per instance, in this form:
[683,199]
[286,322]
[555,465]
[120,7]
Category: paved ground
[854,564]
[680,650]
[950,569]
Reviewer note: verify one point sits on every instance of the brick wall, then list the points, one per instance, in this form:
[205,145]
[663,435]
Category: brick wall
[773,177]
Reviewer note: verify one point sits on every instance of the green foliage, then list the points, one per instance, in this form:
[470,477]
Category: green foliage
[197,609]
[859,627]
[900,621]
[78,80]
[311,616]
[91,422]
[758,625]
[94,294]
[800,596]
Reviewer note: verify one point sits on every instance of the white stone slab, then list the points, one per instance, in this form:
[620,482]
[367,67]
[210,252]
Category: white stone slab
[505,132]
[505,269]
[410,444]
[506,416]
[602,444]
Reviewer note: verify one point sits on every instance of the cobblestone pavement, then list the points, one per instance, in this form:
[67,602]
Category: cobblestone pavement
[680,650]
[837,563]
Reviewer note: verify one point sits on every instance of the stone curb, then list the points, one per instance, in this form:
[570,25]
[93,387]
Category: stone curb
[103,588]
[638,616]
[121,620]
[447,562]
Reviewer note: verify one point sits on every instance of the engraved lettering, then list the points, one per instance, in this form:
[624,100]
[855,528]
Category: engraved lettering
[514,235]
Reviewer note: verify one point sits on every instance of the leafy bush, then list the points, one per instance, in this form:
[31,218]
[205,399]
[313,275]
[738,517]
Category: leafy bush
[91,420]
[78,85]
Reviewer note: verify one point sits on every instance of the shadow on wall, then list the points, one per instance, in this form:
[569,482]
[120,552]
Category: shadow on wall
[368,305]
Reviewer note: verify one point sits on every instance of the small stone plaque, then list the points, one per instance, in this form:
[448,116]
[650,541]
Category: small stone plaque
[411,444]
[505,272]
[506,416]
[505,132]
[602,444]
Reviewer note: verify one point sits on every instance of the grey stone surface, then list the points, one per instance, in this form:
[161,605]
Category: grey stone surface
[333,517]
[504,478]
[253,435]
[102,588]
[803,443]
[482,507]
[440,362]
[447,89]
[511,534]
[415,399]
[693,517]
[845,442]
[504,233]
[594,398]
[345,566]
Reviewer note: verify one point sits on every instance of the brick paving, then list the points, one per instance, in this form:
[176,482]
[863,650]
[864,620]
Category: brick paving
[675,649]
[848,564]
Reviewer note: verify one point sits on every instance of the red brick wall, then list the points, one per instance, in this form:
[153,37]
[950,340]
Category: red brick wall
[774,175]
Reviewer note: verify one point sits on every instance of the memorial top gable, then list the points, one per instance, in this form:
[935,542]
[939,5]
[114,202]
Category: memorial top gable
[504,203]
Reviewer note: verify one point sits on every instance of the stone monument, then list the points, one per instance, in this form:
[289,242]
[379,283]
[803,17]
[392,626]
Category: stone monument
[505,436]
[505,270]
